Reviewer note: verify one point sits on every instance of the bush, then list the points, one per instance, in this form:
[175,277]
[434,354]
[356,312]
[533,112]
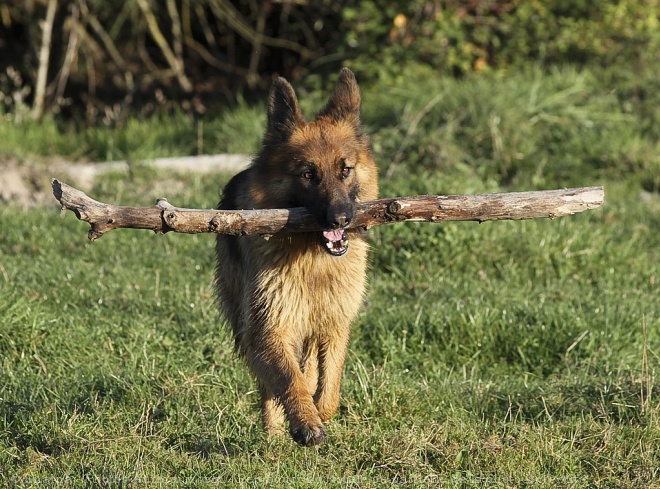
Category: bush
[459,37]
[112,57]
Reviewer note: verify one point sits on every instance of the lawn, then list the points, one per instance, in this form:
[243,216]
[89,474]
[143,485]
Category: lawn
[503,354]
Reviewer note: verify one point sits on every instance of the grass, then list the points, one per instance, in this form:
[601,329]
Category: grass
[506,354]
[169,134]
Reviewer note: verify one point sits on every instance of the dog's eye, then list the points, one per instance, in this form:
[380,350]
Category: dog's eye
[346,171]
[308,175]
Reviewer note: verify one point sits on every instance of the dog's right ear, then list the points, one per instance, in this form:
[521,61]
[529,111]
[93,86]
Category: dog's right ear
[283,111]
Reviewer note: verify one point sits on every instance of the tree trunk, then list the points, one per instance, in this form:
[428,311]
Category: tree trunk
[44,59]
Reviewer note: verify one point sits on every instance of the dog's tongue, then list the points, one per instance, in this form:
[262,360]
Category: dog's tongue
[334,235]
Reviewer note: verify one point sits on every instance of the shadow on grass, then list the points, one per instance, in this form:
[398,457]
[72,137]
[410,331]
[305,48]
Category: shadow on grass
[23,434]
[615,401]
[203,446]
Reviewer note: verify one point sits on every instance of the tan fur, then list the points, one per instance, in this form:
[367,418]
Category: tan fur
[290,303]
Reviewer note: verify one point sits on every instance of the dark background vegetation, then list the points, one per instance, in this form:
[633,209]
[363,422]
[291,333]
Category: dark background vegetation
[111,56]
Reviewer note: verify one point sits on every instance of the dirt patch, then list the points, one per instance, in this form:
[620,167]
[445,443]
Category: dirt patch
[23,185]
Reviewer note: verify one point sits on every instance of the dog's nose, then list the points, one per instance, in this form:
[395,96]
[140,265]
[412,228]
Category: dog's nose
[340,219]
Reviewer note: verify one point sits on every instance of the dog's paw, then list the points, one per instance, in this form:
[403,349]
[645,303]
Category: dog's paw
[308,436]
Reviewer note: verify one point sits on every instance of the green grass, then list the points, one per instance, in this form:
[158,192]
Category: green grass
[506,354]
[526,129]
[238,130]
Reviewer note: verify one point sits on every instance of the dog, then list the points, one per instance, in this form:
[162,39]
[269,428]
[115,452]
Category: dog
[290,299]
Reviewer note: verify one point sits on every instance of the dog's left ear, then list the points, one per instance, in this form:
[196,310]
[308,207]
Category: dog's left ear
[344,104]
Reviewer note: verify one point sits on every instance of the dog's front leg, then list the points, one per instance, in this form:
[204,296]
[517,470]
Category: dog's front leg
[277,369]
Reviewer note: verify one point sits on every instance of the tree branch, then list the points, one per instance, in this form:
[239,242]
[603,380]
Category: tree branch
[163,217]
[226,11]
[175,63]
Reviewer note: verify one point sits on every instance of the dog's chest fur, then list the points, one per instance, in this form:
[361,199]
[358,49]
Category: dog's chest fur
[301,286]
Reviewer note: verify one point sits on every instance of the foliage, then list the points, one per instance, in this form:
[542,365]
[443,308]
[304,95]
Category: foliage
[459,37]
[111,60]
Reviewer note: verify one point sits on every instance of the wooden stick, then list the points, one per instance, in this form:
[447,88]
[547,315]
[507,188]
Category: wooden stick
[163,217]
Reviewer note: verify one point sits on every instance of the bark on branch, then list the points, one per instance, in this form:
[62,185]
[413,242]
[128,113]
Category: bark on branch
[163,217]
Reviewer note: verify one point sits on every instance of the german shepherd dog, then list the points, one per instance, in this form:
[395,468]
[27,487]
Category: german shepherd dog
[290,300]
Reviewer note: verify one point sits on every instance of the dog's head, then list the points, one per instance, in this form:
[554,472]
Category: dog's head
[324,165]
